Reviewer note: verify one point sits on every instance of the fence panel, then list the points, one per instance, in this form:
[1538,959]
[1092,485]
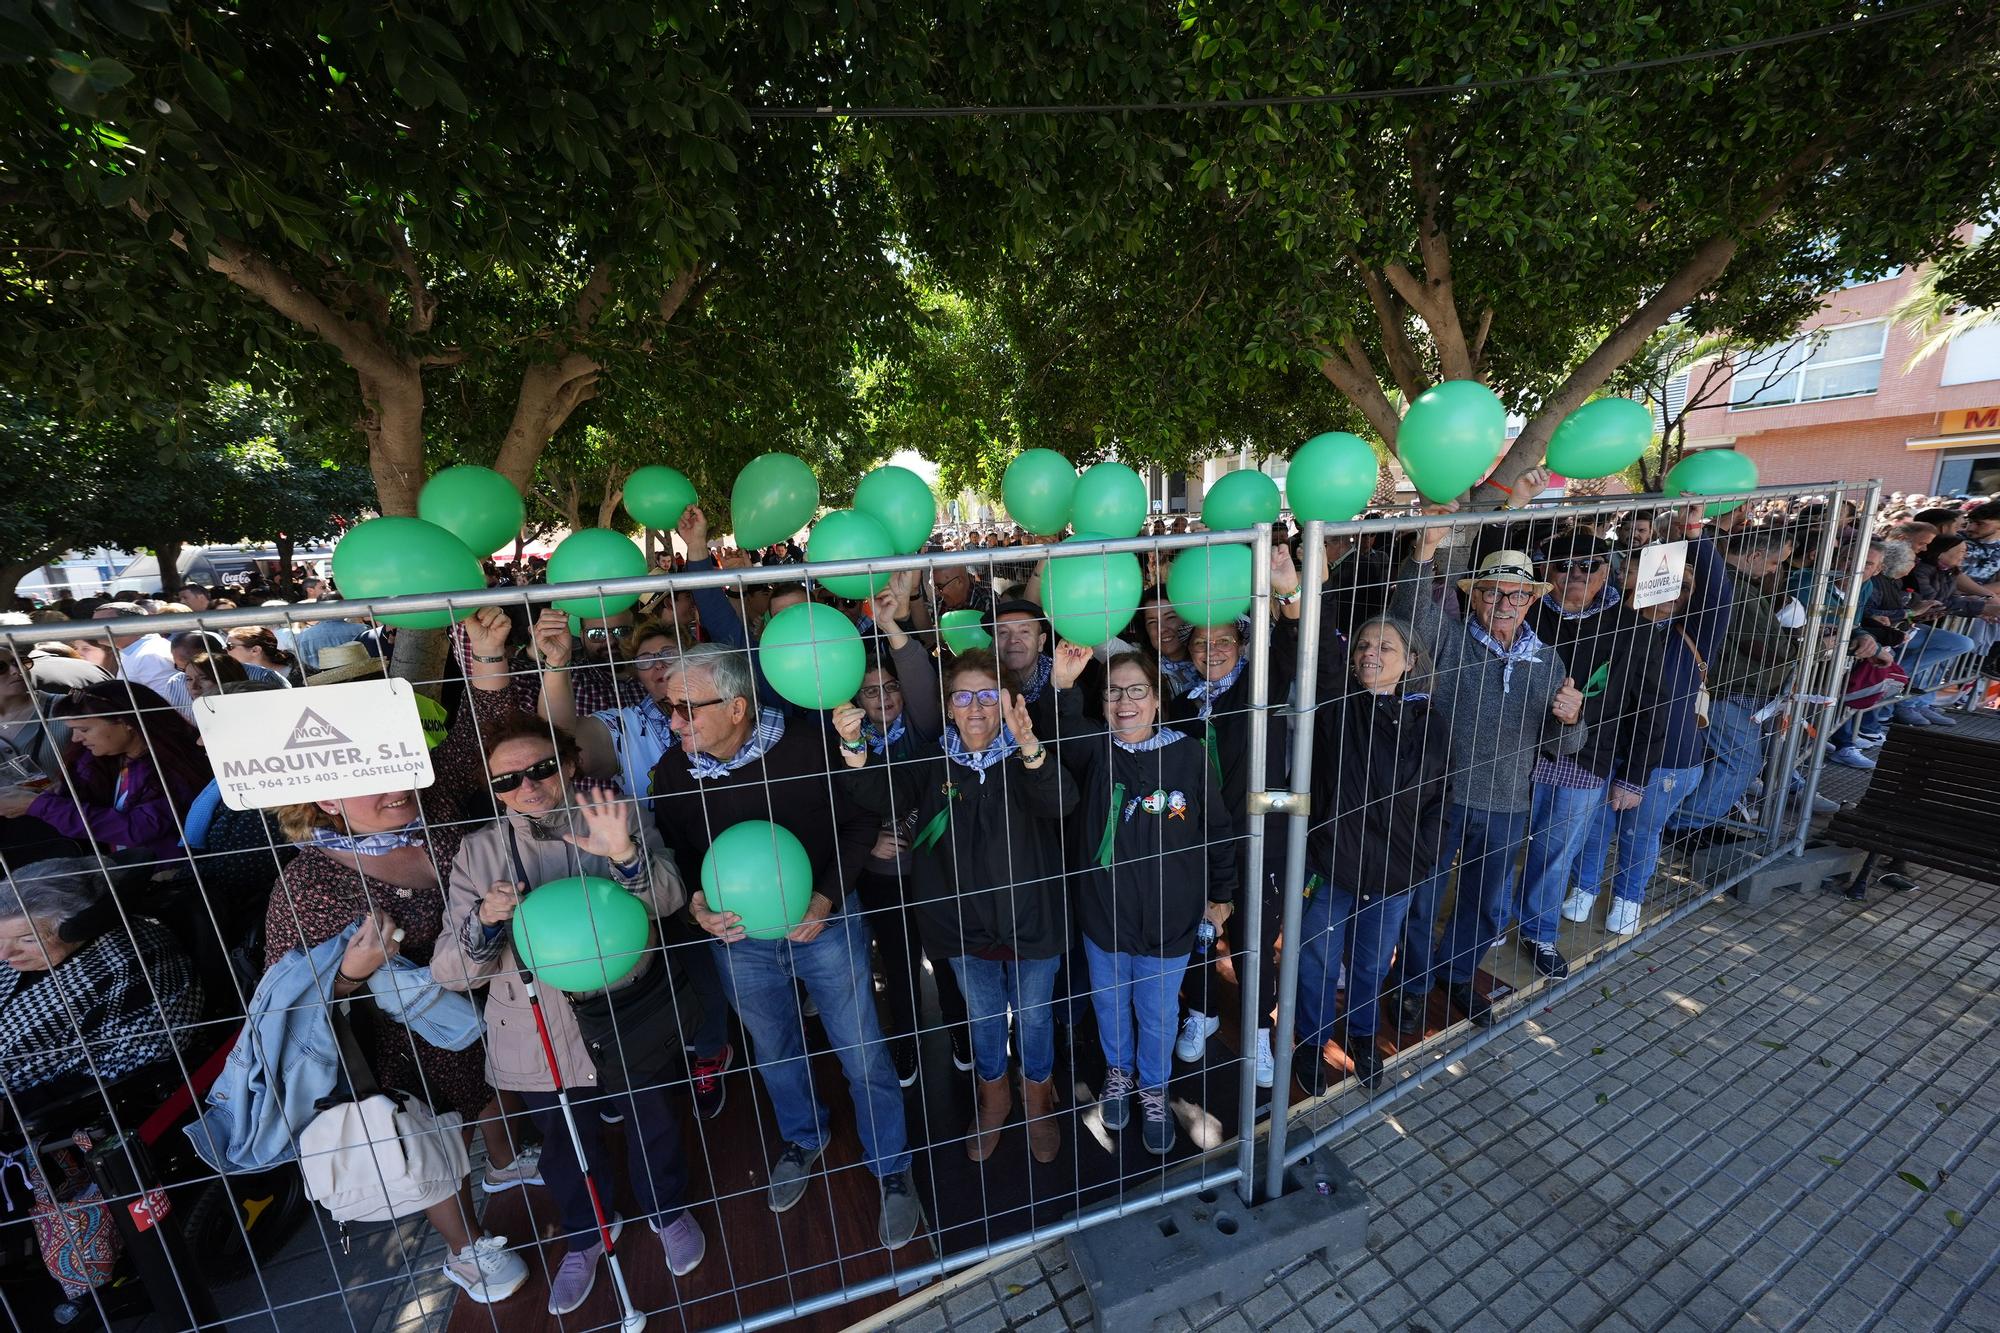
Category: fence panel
[979,1006]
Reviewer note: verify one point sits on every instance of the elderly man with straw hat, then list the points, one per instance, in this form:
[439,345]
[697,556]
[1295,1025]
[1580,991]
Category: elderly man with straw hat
[1507,698]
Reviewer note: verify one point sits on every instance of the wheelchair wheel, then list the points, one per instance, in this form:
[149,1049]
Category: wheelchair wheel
[268,1206]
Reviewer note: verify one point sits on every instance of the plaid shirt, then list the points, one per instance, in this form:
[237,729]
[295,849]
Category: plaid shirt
[1563,771]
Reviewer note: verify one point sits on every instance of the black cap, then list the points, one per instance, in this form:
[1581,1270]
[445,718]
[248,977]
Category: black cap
[1018,606]
[1572,544]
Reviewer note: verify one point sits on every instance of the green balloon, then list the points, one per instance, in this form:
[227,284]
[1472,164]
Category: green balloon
[1332,477]
[759,871]
[1450,438]
[581,933]
[901,502]
[1712,472]
[1240,500]
[474,504]
[1210,585]
[964,630]
[1090,598]
[658,495]
[812,655]
[849,534]
[1110,498]
[1038,488]
[596,555]
[1600,438]
[775,495]
[393,557]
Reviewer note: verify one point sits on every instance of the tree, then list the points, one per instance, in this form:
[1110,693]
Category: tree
[448,223]
[1571,184]
[1945,302]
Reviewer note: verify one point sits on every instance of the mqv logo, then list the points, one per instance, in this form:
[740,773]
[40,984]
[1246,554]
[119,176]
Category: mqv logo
[312,729]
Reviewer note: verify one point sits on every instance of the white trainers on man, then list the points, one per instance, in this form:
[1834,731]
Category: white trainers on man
[1196,1029]
[487,1270]
[1579,905]
[1267,1064]
[1623,918]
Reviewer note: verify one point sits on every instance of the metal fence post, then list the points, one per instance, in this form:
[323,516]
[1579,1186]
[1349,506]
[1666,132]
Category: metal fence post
[1850,612]
[1252,878]
[1305,697]
[1778,786]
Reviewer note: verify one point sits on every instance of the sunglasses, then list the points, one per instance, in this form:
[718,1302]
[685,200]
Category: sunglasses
[539,771]
[600,633]
[1580,565]
[1138,694]
[685,709]
[967,698]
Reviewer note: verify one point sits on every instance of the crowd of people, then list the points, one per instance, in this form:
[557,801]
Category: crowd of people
[1045,840]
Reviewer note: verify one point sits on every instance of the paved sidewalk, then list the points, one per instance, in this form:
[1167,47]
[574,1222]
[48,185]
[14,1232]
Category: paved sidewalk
[1782,1119]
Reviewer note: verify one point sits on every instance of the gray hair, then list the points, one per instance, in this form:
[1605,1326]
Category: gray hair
[56,890]
[1897,558]
[727,669]
[1417,675]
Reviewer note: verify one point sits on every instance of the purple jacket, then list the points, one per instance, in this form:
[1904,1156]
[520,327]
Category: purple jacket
[148,821]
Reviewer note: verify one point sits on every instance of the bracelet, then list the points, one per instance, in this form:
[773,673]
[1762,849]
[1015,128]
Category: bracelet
[356,982]
[480,657]
[1036,757]
[1507,491]
[854,747]
[1286,598]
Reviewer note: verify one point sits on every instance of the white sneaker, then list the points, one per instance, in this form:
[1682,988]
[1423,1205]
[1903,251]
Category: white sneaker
[487,1270]
[1579,905]
[525,1169]
[1623,918]
[1196,1029]
[1850,756]
[1267,1066]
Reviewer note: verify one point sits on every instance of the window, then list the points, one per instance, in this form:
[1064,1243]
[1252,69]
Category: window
[1825,363]
[1973,356]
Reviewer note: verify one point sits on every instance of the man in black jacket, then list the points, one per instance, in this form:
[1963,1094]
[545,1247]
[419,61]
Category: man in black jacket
[1600,642]
[736,762]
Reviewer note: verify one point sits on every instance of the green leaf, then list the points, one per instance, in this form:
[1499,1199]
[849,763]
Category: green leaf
[1772,1045]
[206,85]
[107,73]
[1597,1050]
[1602,1099]
[75,92]
[1953,1216]
[1830,1161]
[1913,1180]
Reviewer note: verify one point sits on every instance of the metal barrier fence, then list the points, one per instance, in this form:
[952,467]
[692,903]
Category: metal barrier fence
[834,1136]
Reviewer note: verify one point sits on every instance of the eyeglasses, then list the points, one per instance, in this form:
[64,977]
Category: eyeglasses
[539,771]
[1580,565]
[599,633]
[1511,596]
[1138,694]
[653,662]
[885,690]
[967,698]
[685,709]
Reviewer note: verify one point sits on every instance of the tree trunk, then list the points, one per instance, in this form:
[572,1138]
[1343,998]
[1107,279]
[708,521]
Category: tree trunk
[11,576]
[395,431]
[421,657]
[168,551]
[286,546]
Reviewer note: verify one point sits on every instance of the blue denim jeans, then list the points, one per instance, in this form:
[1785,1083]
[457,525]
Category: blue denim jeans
[759,977]
[1487,842]
[1028,986]
[1137,1000]
[1924,656]
[1323,940]
[1637,834]
[1558,826]
[1736,749]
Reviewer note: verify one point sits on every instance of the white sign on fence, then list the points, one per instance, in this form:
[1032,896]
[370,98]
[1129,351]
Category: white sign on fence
[1660,567]
[322,743]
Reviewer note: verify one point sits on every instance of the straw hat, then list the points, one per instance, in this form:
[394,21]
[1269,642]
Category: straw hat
[345,661]
[1506,567]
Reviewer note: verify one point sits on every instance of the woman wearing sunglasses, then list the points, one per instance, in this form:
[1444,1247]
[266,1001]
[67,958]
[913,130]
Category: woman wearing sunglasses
[986,874]
[1154,852]
[1507,699]
[625,1043]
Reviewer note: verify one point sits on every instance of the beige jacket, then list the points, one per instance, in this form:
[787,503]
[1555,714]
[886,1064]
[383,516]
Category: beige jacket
[464,959]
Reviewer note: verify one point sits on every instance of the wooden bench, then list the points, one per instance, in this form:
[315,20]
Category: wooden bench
[1934,800]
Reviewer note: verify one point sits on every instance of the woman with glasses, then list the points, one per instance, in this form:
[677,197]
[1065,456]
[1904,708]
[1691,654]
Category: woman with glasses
[625,740]
[1507,699]
[1154,854]
[626,1041]
[902,718]
[1216,711]
[383,861]
[1164,634]
[986,867]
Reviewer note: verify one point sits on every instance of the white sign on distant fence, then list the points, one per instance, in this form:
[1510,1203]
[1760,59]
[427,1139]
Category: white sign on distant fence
[321,743]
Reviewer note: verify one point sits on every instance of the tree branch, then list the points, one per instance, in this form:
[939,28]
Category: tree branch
[423,306]
[590,301]
[1479,341]
[1405,365]
[1440,309]
[1353,374]
[360,347]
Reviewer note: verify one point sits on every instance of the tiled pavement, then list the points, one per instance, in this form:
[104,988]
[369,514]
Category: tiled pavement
[1781,1118]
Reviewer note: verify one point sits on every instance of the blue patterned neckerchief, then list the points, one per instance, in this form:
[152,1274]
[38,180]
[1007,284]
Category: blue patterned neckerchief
[770,730]
[1524,649]
[1184,675]
[1032,688]
[1206,692]
[368,844]
[979,761]
[1159,740]
[1607,597]
[880,742]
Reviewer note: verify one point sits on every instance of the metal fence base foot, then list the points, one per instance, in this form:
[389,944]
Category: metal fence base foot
[1809,870]
[1139,1268]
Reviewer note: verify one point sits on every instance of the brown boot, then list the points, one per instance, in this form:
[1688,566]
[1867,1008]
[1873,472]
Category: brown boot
[995,1103]
[1044,1131]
